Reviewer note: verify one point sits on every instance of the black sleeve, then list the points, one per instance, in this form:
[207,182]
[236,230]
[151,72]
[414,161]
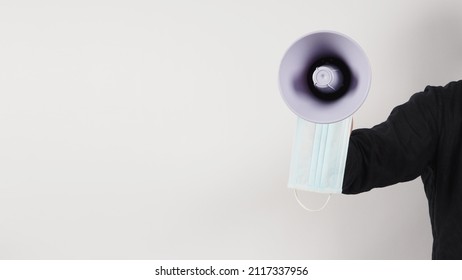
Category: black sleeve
[397,150]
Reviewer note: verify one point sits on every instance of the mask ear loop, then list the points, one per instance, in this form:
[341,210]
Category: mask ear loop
[308,209]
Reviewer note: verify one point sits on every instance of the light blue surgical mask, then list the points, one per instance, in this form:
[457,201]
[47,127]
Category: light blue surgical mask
[319,156]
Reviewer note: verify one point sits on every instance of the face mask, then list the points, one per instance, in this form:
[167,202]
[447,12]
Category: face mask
[318,156]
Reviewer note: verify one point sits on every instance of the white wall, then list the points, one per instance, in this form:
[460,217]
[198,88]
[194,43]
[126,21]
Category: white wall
[155,129]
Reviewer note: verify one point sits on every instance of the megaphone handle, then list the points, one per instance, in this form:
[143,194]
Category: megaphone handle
[309,209]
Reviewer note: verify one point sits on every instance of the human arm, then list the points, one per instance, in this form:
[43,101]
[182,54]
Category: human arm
[397,150]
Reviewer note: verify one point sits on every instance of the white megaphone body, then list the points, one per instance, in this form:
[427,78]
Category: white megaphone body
[324,77]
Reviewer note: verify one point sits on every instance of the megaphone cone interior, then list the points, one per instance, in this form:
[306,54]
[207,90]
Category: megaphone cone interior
[324,77]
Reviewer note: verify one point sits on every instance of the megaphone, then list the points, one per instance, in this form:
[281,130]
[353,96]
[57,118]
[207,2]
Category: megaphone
[324,77]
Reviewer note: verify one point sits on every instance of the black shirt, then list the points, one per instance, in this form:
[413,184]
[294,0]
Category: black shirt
[422,137]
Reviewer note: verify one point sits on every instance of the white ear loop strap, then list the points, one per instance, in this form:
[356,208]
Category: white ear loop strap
[308,209]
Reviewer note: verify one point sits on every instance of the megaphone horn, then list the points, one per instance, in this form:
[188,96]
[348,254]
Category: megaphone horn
[324,77]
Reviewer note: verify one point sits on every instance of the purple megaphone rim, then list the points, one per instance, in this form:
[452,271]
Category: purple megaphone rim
[293,76]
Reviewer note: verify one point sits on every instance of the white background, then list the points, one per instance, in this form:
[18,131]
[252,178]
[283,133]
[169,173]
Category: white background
[155,129]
